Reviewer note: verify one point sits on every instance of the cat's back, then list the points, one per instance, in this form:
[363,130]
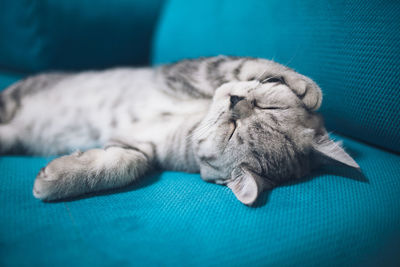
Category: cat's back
[66,111]
[85,90]
[72,109]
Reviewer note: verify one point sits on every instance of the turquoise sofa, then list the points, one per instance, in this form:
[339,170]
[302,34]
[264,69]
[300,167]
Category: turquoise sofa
[334,217]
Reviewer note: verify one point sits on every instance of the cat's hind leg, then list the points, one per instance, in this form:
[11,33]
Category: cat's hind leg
[91,171]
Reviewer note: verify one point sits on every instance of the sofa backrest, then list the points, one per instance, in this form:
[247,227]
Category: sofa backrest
[40,35]
[350,48]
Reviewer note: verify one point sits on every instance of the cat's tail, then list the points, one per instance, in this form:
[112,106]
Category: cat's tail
[9,102]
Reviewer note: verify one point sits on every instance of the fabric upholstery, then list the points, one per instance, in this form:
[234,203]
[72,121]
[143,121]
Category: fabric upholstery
[335,217]
[350,48]
[75,34]
[7,78]
[175,219]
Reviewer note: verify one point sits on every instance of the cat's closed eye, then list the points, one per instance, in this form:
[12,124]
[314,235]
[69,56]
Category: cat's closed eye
[261,106]
[272,80]
[233,127]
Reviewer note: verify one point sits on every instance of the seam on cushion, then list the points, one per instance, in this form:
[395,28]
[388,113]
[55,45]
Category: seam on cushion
[32,23]
[156,31]
[78,233]
[75,226]
[38,37]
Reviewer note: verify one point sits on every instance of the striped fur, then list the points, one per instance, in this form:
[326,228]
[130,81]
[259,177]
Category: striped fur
[232,119]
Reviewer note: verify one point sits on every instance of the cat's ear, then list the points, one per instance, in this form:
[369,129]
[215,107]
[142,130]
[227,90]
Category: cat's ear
[246,185]
[326,147]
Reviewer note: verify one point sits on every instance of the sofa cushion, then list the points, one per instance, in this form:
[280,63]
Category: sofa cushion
[75,34]
[350,48]
[7,78]
[175,219]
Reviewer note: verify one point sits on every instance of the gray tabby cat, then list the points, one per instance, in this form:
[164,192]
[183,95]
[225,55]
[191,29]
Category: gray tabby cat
[246,123]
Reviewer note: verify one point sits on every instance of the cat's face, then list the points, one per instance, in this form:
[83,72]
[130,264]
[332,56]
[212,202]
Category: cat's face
[255,136]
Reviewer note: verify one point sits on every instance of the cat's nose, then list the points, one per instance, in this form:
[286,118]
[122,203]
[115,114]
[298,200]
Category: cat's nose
[235,99]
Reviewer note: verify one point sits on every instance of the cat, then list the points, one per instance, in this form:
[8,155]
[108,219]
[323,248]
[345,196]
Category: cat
[247,123]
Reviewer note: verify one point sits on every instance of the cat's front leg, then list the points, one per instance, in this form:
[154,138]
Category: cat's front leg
[90,171]
[200,78]
[269,71]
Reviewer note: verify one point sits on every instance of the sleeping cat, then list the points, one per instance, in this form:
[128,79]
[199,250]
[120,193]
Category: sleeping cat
[246,123]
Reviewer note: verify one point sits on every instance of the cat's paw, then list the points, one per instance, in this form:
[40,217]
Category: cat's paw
[45,186]
[306,89]
[58,179]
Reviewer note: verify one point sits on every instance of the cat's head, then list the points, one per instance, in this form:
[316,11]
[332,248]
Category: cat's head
[257,135]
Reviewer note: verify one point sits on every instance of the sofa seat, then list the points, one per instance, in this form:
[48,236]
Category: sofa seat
[334,217]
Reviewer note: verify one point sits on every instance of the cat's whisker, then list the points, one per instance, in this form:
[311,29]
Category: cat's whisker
[262,74]
[201,130]
[294,55]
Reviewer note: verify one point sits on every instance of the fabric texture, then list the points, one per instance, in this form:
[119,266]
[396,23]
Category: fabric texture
[335,218]
[350,48]
[75,34]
